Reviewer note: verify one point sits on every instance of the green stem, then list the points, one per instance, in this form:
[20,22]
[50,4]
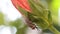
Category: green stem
[54,30]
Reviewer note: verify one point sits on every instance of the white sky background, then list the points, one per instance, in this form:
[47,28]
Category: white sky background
[7,8]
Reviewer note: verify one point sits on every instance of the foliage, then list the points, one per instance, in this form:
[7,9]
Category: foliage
[1,18]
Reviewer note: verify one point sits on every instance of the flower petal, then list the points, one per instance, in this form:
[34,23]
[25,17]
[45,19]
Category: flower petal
[22,3]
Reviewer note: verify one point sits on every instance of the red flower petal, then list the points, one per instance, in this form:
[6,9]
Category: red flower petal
[22,3]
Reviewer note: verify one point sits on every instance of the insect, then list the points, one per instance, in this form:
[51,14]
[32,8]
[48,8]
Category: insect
[30,24]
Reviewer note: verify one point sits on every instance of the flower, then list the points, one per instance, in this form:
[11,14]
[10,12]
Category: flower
[21,3]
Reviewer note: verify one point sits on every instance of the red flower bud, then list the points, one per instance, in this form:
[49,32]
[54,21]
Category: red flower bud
[22,3]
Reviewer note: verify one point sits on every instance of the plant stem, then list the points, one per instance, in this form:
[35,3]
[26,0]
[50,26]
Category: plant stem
[54,30]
